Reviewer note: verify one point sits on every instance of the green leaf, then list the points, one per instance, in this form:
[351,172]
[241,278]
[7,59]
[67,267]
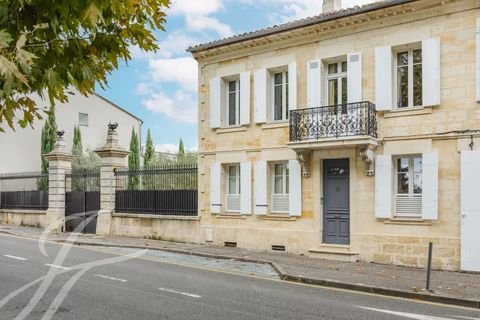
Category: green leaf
[5,39]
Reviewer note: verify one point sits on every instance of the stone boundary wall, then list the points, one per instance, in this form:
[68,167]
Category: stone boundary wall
[29,218]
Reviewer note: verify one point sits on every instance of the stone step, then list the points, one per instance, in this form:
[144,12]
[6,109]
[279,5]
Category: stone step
[333,252]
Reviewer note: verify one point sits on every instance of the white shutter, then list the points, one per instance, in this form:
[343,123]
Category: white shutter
[245,98]
[314,83]
[430,186]
[215,102]
[383,186]
[354,77]
[215,187]
[292,86]
[295,187]
[383,78]
[260,95]
[246,188]
[478,58]
[260,186]
[431,72]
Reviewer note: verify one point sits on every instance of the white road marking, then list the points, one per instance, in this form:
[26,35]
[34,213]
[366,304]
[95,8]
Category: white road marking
[14,257]
[407,315]
[182,293]
[109,278]
[55,266]
[462,317]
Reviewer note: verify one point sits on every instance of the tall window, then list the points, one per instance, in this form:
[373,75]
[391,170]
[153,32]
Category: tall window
[280,188]
[409,78]
[280,96]
[408,200]
[233,102]
[233,188]
[83,119]
[337,83]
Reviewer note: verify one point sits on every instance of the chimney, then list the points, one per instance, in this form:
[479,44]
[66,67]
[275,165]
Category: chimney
[331,5]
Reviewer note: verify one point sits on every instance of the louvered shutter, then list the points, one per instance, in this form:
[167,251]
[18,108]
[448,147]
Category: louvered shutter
[215,102]
[430,186]
[383,186]
[292,86]
[354,77]
[295,187]
[260,186]
[314,84]
[383,78]
[215,188]
[246,188]
[245,98]
[260,95]
[431,72]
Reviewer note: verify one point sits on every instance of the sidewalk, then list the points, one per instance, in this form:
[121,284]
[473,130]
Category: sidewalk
[448,287]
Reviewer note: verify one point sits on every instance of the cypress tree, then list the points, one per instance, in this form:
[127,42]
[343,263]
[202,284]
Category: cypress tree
[149,156]
[77,148]
[181,150]
[48,139]
[133,161]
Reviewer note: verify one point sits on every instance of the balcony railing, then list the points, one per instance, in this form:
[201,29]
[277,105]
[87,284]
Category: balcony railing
[344,120]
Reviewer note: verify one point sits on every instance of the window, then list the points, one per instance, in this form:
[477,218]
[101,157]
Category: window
[280,187]
[233,188]
[337,84]
[408,78]
[408,186]
[233,102]
[83,119]
[280,96]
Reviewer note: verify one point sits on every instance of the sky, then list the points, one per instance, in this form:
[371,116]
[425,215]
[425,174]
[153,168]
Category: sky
[161,87]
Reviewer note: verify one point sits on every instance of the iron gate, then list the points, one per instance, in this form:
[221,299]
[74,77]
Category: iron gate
[82,199]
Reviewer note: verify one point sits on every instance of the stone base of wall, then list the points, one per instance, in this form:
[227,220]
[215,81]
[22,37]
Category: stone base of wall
[168,228]
[27,218]
[410,251]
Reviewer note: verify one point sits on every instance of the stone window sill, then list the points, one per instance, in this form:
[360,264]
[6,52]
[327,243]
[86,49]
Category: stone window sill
[408,222]
[278,217]
[274,125]
[231,129]
[228,215]
[405,112]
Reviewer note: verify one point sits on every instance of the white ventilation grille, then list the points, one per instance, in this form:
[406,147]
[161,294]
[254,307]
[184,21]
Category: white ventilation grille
[233,203]
[408,205]
[280,203]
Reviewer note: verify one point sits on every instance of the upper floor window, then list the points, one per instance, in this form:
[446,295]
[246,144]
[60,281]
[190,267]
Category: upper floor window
[408,78]
[83,119]
[233,102]
[337,83]
[280,96]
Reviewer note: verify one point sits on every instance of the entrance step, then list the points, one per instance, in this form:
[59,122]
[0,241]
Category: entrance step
[333,252]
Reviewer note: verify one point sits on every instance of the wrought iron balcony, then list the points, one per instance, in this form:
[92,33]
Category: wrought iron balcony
[344,120]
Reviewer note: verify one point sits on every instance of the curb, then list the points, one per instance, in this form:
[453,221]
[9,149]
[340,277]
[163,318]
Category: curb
[288,277]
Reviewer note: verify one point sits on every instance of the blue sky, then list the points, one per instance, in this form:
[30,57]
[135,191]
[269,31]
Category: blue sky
[161,88]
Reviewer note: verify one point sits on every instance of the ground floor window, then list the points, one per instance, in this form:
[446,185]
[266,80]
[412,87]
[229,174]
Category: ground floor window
[280,187]
[233,188]
[408,186]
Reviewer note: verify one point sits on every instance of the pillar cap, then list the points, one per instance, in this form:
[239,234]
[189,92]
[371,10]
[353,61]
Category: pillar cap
[112,148]
[59,152]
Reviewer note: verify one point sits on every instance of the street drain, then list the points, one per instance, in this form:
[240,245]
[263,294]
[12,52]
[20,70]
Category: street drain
[278,248]
[231,244]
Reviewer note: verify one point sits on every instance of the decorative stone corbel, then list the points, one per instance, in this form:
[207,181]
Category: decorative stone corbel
[368,156]
[303,156]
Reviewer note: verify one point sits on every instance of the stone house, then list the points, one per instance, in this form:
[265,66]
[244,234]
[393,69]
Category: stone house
[350,135]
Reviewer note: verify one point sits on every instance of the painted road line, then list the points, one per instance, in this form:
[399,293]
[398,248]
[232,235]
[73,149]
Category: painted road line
[55,266]
[181,293]
[406,314]
[109,278]
[15,257]
[463,317]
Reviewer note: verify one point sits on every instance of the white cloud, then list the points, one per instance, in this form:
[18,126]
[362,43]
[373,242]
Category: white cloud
[166,147]
[183,71]
[197,23]
[197,7]
[181,107]
[142,89]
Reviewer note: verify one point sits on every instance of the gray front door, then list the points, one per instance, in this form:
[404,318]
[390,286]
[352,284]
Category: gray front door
[336,201]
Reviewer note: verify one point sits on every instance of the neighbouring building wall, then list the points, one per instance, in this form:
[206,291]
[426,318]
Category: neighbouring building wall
[417,131]
[21,148]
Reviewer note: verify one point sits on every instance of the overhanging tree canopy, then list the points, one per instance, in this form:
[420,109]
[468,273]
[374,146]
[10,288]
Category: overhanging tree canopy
[48,46]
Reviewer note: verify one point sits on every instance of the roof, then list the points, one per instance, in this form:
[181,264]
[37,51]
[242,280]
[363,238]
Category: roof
[324,17]
[118,107]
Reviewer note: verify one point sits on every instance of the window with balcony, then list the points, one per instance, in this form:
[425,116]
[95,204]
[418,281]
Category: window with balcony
[280,187]
[233,188]
[408,186]
[337,83]
[280,95]
[408,78]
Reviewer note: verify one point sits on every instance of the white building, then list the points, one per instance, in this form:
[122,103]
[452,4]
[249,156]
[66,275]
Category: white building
[20,149]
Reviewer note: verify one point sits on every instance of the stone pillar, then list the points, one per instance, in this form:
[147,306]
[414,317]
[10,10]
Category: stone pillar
[59,163]
[112,156]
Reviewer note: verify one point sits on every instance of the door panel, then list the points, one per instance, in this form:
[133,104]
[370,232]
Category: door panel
[336,204]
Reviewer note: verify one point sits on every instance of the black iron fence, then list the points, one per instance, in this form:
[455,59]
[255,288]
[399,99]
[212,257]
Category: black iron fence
[343,120]
[167,190]
[24,191]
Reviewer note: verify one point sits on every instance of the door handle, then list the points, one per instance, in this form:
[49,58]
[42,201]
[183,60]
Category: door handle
[337,216]
[464,215]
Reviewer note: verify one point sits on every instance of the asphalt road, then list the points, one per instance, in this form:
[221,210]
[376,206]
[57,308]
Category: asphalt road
[88,283]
